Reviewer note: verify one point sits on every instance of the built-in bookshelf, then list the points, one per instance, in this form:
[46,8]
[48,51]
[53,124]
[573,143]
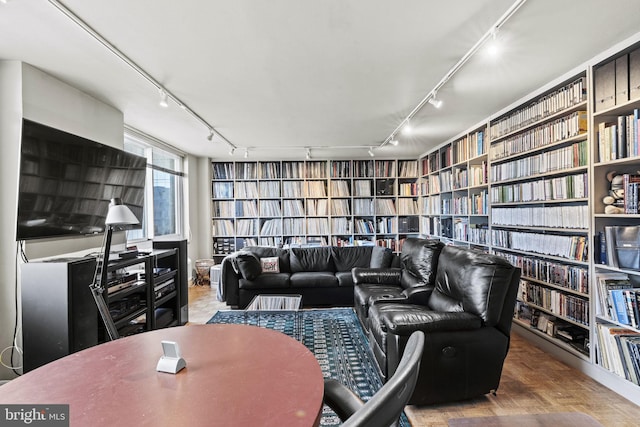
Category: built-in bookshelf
[314,202]
[616,223]
[559,187]
[454,191]
[518,186]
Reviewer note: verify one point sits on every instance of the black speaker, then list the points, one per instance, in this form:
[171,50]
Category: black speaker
[182,281]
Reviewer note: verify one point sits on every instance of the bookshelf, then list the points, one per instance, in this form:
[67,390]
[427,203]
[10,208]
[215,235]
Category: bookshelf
[548,168]
[454,189]
[314,202]
[614,149]
[518,186]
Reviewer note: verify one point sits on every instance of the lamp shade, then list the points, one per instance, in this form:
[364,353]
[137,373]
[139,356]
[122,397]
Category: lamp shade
[120,214]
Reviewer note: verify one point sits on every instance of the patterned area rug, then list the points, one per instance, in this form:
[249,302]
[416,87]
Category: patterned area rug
[335,338]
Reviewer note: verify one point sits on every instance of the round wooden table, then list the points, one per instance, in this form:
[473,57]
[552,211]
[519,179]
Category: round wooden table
[236,375]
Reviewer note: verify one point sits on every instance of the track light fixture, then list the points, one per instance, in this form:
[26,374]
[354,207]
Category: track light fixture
[165,94]
[491,34]
[393,141]
[211,134]
[246,153]
[435,101]
[493,47]
[407,129]
[370,151]
[233,150]
[164,99]
[308,153]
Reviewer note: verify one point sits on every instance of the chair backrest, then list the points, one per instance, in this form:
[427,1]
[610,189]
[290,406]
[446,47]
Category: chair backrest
[472,281]
[386,406]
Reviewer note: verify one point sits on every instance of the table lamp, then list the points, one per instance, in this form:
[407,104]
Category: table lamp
[118,214]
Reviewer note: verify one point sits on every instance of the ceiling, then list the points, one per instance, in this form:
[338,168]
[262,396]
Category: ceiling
[338,76]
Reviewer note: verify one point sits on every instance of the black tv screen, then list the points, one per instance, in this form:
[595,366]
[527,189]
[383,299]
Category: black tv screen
[66,183]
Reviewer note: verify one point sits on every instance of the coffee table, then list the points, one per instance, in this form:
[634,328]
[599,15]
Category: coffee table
[236,375]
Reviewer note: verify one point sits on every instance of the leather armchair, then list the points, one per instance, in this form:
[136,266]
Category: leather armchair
[412,282]
[466,321]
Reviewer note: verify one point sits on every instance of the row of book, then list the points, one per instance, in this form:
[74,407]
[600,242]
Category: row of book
[563,246]
[618,298]
[475,233]
[619,140]
[558,188]
[572,277]
[268,208]
[562,216]
[561,304]
[575,336]
[619,351]
[431,205]
[408,189]
[570,126]
[274,170]
[473,176]
[563,98]
[340,189]
[563,158]
[270,170]
[340,168]
[407,169]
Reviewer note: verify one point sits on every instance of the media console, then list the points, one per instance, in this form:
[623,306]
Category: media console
[60,317]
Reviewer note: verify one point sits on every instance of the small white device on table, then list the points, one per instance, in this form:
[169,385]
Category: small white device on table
[171,362]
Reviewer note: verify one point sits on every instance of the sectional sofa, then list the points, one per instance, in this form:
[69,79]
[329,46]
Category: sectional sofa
[322,275]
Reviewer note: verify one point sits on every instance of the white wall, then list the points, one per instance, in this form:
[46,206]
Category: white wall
[28,92]
[10,127]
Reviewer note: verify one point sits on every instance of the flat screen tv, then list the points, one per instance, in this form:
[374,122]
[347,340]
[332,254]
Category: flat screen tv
[66,183]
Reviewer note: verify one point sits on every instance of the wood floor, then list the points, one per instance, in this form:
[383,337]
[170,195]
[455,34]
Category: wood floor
[532,382]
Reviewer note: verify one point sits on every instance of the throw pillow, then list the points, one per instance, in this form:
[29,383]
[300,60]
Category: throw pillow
[248,265]
[270,265]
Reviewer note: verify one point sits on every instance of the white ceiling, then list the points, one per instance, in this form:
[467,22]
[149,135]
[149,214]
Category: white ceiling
[281,75]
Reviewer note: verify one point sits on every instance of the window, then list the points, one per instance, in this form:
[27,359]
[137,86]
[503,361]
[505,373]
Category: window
[162,207]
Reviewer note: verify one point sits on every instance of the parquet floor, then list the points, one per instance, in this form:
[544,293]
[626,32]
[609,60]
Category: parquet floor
[532,382]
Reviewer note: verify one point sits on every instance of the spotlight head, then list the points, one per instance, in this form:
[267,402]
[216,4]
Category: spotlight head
[231,151]
[407,129]
[308,153]
[393,142]
[246,153]
[435,102]
[370,151]
[211,134]
[164,99]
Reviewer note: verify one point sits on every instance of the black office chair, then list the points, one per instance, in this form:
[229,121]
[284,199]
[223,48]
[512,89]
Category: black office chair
[386,406]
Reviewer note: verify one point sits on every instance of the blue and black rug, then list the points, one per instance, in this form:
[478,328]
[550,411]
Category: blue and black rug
[335,338]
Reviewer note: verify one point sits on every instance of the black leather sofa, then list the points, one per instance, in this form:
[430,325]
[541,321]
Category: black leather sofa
[322,275]
[462,299]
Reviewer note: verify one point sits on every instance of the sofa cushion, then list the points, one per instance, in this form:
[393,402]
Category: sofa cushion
[347,257]
[267,251]
[311,259]
[381,257]
[420,257]
[315,279]
[471,281]
[266,281]
[345,278]
[248,265]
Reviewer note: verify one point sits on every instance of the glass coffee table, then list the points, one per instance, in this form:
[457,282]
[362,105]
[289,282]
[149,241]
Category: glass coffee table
[288,310]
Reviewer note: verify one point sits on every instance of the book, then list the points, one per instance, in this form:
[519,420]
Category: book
[605,283]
